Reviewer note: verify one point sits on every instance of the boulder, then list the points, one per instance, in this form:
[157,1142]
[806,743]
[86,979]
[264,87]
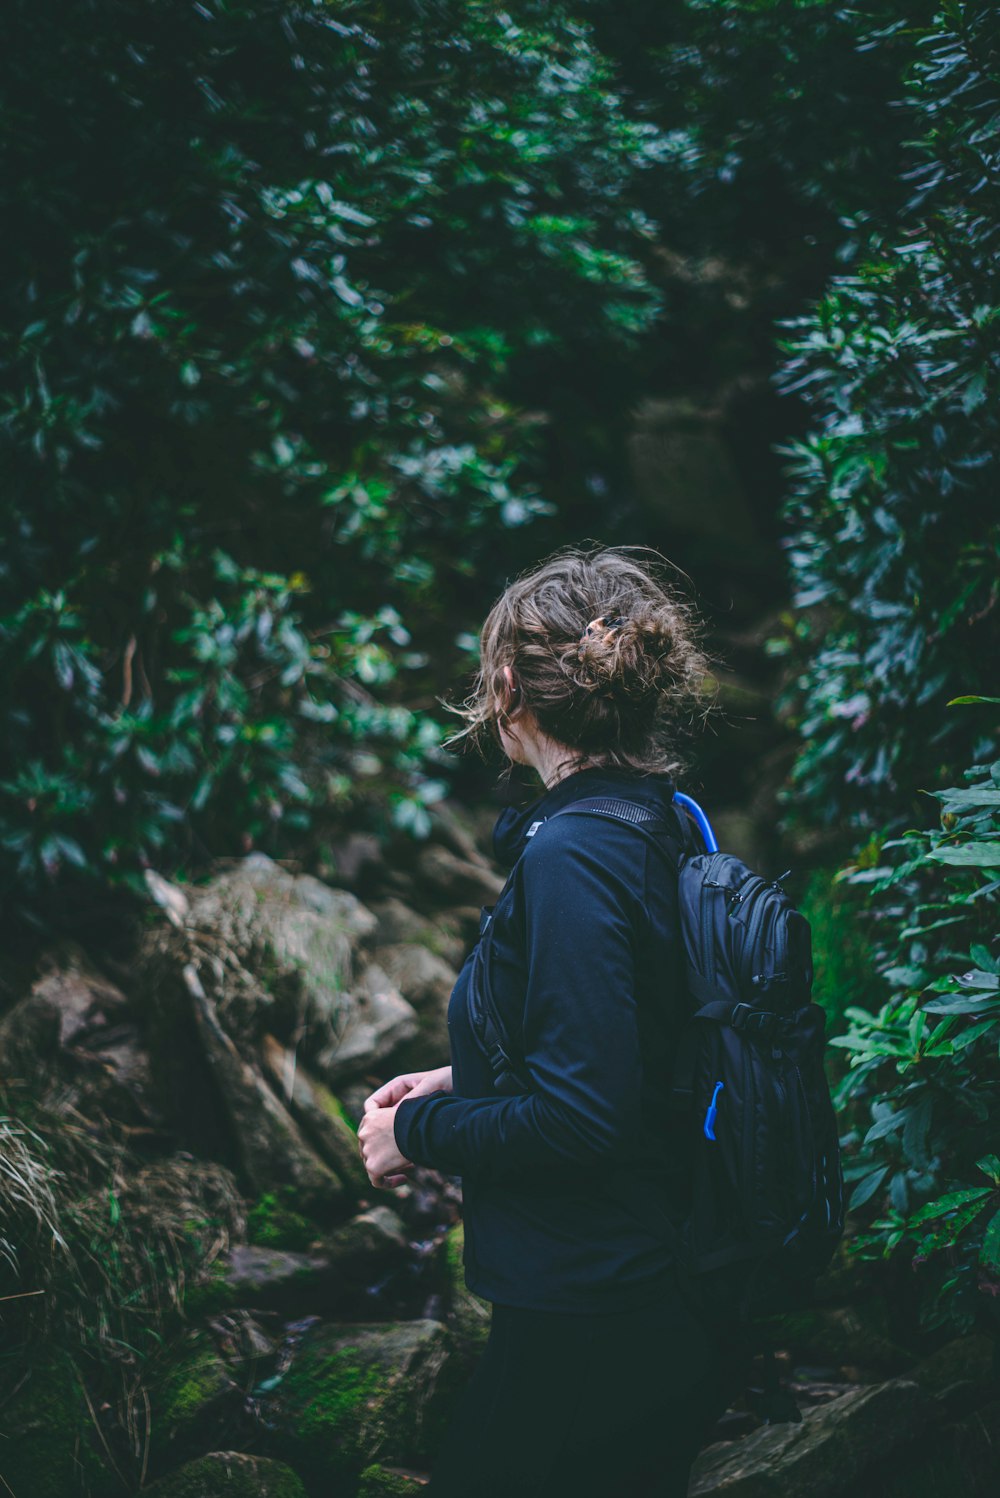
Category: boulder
[48,1447]
[377,1481]
[398,922]
[370,1240]
[686,476]
[76,1024]
[854,1336]
[468,1316]
[320,1113]
[426,982]
[446,878]
[367,1029]
[826,1456]
[263,1278]
[266,1279]
[229,1474]
[196,1401]
[962,1361]
[357,1394]
[282,954]
[270,1144]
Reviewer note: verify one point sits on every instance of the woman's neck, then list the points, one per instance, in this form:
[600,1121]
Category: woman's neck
[560,762]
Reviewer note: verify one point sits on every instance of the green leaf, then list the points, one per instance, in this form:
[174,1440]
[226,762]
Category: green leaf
[989,1254]
[867,1187]
[949,1203]
[978,855]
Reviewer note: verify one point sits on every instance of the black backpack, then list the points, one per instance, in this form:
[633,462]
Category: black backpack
[766,1205]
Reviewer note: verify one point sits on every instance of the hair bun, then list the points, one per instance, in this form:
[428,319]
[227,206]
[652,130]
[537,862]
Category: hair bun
[627,655]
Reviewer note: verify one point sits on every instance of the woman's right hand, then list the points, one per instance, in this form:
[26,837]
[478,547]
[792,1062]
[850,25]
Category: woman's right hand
[409,1084]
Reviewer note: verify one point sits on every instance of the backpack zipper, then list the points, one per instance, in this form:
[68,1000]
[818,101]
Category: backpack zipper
[754,918]
[705,924]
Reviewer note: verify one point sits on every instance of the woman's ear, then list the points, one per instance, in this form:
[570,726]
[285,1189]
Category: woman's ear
[515,690]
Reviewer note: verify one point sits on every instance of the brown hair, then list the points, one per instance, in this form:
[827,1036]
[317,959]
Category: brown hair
[623,690]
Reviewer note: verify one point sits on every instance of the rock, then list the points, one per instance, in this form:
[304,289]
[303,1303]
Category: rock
[426,982]
[273,1222]
[423,978]
[452,825]
[261,1278]
[270,1144]
[446,879]
[369,1028]
[826,1456]
[468,1316]
[685,475]
[47,1446]
[321,1115]
[358,860]
[229,1474]
[196,1401]
[371,1239]
[960,1361]
[398,922]
[389,1482]
[267,1279]
[77,1024]
[356,1394]
[845,1336]
[283,954]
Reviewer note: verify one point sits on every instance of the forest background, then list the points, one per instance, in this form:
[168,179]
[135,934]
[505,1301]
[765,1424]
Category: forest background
[323,320]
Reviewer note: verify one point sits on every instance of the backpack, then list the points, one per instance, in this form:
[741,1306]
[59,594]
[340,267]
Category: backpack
[765,1210]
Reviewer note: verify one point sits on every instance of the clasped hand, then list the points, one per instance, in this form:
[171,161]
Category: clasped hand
[376,1132]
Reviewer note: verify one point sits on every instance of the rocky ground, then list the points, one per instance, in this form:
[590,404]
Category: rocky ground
[315,1331]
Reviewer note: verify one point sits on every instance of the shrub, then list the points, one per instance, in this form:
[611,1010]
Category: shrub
[925,1066]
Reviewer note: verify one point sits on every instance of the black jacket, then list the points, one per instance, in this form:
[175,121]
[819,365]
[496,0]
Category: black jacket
[568,1189]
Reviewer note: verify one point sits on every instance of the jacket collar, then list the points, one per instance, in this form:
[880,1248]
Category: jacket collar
[510,833]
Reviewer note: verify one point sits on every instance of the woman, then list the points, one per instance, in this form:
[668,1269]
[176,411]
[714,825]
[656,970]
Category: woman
[597,1378]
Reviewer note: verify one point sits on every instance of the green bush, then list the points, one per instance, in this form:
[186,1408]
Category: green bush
[271,274]
[924,1068]
[894,529]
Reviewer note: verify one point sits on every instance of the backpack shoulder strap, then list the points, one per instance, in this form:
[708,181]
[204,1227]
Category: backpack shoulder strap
[679,837]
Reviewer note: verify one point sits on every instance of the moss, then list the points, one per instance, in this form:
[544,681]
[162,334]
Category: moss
[361,1393]
[380,1482]
[334,1107]
[330,1402]
[272,1223]
[230,1475]
[47,1447]
[210,1293]
[190,1395]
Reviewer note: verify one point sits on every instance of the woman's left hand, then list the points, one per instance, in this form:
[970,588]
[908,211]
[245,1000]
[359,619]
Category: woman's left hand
[379,1151]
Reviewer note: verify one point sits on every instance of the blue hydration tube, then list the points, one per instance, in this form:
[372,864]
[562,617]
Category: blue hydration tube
[700,819]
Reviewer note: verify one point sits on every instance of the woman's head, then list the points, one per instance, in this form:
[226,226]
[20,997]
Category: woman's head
[598,652]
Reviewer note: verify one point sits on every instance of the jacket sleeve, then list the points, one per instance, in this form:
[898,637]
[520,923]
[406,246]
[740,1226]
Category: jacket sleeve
[580,1031]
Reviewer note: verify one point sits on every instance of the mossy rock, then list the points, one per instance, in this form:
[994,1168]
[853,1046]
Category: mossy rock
[469,1316]
[844,1336]
[273,1223]
[48,1446]
[361,1393]
[382,1482]
[196,1400]
[229,1474]
[271,1278]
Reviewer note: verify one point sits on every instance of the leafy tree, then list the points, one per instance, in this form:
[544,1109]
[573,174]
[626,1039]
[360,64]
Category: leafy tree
[271,273]
[894,532]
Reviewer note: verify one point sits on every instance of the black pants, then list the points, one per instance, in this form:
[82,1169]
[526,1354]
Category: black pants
[584,1406]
